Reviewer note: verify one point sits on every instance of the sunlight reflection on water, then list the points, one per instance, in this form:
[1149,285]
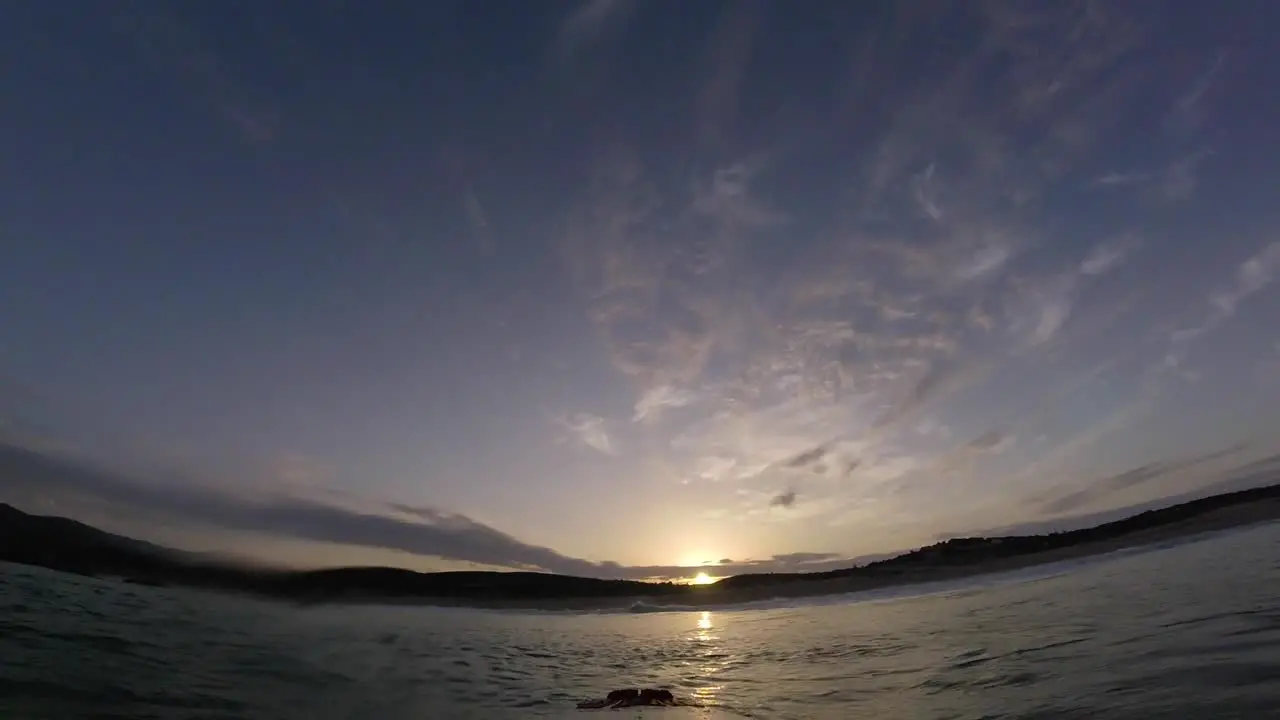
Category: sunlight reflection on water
[1166,633]
[709,661]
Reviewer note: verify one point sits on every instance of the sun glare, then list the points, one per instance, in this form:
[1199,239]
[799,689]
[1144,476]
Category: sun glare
[702,579]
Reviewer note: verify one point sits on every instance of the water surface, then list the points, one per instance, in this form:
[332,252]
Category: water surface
[1183,631]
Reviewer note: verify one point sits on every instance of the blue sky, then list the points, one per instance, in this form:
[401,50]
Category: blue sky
[616,287]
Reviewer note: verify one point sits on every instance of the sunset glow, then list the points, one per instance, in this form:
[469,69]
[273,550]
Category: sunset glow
[822,298]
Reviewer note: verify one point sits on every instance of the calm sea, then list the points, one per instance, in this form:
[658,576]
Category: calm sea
[1191,631]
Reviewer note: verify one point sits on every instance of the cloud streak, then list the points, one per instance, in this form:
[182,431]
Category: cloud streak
[590,21]
[656,400]
[810,294]
[590,431]
[164,37]
[784,500]
[1251,277]
[424,531]
[1107,256]
[943,270]
[1100,490]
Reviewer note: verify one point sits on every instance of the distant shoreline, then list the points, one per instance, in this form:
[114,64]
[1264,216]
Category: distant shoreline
[70,546]
[1238,517]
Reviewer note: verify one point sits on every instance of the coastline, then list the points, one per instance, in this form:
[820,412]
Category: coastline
[68,546]
[1230,518]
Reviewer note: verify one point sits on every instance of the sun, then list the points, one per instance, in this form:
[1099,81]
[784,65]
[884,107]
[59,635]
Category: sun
[702,579]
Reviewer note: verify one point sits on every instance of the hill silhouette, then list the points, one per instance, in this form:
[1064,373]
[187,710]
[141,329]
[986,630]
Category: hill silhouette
[70,546]
[962,551]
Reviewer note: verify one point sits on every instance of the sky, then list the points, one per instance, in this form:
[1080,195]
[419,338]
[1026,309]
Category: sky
[628,288]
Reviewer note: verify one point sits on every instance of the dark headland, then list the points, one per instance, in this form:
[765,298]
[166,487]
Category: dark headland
[69,546]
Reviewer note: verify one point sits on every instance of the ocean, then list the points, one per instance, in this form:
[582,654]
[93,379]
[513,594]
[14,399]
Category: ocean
[1183,631]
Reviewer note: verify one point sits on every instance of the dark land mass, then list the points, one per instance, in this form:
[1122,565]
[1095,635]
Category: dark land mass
[70,546]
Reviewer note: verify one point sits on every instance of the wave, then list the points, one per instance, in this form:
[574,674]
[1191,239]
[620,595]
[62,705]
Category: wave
[953,586]
[647,606]
[906,591]
[641,606]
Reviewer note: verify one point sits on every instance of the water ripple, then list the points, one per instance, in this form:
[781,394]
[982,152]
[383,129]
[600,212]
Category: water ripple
[1147,635]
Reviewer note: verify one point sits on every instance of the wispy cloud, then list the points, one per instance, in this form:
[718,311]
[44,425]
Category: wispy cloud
[784,500]
[1050,306]
[1101,490]
[808,324]
[806,458]
[1251,277]
[654,400]
[924,194]
[1188,110]
[728,54]
[591,20]
[1105,257]
[165,38]
[1122,178]
[992,441]
[1179,180]
[1268,367]
[430,533]
[299,471]
[420,530]
[590,431]
[820,296]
